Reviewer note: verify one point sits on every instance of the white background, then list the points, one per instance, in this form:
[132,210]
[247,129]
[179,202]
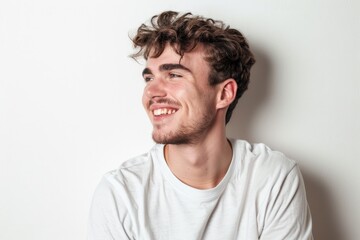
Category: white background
[70,107]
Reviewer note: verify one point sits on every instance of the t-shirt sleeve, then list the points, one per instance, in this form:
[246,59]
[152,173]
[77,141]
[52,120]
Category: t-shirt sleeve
[108,218]
[287,212]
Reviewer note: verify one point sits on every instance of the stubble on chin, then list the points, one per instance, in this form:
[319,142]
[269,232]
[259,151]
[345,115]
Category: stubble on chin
[186,132]
[190,134]
[170,138]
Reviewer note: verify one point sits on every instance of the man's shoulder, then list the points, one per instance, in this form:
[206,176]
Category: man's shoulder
[261,157]
[263,168]
[134,170]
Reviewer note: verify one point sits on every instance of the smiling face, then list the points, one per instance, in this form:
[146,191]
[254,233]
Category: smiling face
[177,97]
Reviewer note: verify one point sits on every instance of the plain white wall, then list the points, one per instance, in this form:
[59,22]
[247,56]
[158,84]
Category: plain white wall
[70,107]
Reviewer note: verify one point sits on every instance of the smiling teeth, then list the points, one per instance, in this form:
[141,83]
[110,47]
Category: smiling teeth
[163,111]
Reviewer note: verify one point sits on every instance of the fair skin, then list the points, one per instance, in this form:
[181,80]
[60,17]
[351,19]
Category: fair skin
[188,115]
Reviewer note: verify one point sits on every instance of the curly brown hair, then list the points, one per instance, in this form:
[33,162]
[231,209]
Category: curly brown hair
[226,49]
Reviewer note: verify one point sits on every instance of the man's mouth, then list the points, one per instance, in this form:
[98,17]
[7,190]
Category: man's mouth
[163,111]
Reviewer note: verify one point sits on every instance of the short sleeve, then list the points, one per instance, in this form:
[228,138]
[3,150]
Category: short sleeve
[287,211]
[107,217]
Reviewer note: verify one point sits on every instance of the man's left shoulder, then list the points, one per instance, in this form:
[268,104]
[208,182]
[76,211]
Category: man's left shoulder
[261,157]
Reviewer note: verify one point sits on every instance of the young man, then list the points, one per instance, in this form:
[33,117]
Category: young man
[195,183]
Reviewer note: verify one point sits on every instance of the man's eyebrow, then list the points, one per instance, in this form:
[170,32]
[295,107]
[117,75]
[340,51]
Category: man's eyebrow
[167,67]
[146,71]
[171,66]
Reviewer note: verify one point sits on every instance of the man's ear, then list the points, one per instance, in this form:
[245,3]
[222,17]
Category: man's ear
[227,93]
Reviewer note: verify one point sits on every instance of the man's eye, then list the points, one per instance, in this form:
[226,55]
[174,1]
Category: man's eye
[148,78]
[174,75]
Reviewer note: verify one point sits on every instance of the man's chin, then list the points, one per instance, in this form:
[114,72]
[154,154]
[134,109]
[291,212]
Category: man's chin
[164,139]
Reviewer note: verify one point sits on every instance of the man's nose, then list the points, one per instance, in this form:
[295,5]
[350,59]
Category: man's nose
[155,88]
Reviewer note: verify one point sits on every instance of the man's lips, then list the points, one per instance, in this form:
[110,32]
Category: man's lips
[163,107]
[163,111]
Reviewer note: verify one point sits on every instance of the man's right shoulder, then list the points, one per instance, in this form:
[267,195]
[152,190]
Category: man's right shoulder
[133,172]
[136,166]
[118,196]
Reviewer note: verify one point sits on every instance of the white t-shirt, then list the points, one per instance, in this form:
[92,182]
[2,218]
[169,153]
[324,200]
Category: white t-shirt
[262,196]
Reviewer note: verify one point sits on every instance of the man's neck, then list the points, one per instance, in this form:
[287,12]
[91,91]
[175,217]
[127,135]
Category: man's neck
[201,165]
